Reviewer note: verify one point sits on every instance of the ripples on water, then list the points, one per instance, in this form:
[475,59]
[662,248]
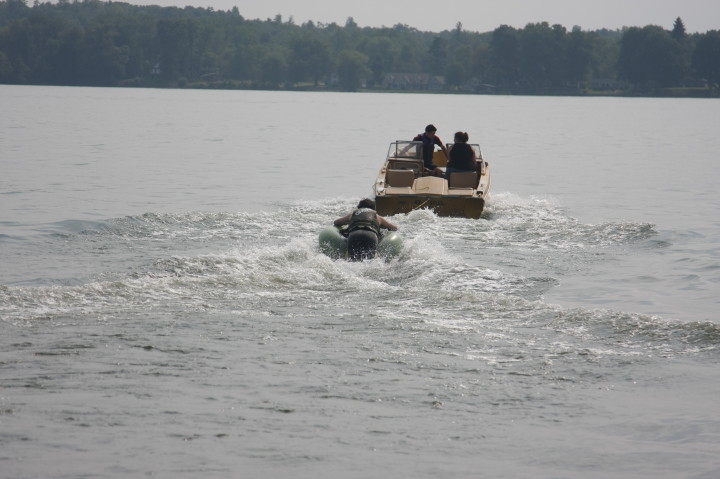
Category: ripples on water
[232,332]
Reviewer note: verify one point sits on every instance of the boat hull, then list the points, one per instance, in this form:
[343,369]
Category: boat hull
[440,205]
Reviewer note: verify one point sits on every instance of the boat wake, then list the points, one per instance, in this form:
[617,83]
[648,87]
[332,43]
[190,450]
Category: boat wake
[488,274]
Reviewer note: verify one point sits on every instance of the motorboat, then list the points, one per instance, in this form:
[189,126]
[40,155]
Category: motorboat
[403,184]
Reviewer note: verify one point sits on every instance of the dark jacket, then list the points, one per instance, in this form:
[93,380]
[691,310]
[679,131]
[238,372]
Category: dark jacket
[428,149]
[462,157]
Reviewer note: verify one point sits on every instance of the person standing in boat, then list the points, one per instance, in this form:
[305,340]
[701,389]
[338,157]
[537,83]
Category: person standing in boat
[462,156]
[364,230]
[429,140]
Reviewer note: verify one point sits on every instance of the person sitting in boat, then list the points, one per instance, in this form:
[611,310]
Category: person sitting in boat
[429,140]
[364,230]
[462,156]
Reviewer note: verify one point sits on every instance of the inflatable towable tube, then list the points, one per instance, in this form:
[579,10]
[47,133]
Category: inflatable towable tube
[334,244]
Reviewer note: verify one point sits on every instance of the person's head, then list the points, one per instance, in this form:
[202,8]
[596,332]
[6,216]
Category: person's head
[430,130]
[366,203]
[461,137]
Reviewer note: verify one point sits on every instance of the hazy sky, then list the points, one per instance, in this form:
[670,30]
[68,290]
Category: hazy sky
[476,15]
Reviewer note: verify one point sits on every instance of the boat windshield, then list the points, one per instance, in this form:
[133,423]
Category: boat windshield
[413,149]
[405,149]
[474,146]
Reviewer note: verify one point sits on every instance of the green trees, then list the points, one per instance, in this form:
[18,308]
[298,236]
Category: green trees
[310,58]
[383,55]
[678,31]
[43,49]
[272,66]
[540,58]
[650,58]
[352,68]
[102,59]
[175,45]
[91,42]
[579,48]
[505,57]
[706,59]
[543,56]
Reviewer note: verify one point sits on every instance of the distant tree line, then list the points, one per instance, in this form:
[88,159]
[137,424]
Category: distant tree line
[95,43]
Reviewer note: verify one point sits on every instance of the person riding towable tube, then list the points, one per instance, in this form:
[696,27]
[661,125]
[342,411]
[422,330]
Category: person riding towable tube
[364,230]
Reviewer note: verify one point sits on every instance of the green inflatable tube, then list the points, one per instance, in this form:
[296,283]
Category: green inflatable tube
[391,245]
[334,244]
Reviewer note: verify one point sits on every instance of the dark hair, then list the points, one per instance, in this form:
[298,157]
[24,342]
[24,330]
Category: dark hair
[430,128]
[366,203]
[461,137]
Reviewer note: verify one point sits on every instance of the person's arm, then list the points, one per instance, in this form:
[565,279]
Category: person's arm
[442,147]
[386,224]
[343,221]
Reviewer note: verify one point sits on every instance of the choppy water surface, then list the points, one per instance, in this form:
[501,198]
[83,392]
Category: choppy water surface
[218,342]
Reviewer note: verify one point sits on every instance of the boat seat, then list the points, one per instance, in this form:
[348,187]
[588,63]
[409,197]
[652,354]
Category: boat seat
[401,178]
[464,179]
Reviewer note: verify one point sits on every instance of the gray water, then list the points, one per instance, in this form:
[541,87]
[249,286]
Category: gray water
[165,311]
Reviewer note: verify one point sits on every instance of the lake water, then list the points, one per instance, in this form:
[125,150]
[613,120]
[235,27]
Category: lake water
[165,311]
